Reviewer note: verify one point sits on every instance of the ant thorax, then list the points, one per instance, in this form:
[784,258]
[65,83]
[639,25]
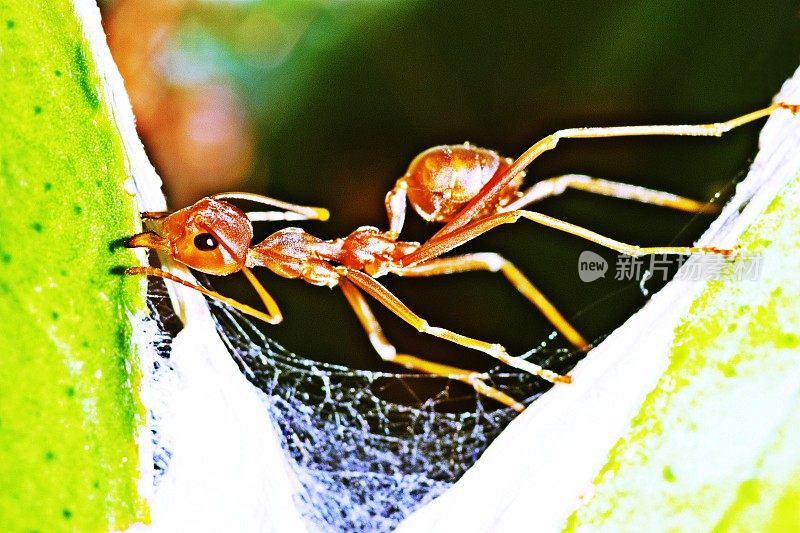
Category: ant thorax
[371,250]
[293,253]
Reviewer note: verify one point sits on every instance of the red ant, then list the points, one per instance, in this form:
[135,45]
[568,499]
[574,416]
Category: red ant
[471,190]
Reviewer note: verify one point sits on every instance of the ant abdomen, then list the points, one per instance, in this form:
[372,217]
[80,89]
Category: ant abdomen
[441,180]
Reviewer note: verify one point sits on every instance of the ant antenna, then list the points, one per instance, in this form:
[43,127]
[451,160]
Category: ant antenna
[291,211]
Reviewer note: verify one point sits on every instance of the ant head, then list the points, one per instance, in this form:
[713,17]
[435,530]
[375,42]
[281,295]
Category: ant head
[211,236]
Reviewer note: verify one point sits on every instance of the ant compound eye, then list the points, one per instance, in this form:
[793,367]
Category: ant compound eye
[205,242]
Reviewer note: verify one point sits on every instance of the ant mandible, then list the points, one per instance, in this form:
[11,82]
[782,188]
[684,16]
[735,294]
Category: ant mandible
[469,189]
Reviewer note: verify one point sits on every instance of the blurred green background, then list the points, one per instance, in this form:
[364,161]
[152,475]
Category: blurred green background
[326,103]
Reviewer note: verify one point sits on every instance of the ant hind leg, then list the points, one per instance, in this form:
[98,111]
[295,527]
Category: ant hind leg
[493,262]
[389,353]
[437,247]
[559,184]
[393,304]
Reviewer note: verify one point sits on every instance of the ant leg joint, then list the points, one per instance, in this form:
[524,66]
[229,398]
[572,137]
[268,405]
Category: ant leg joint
[534,369]
[386,351]
[494,262]
[552,377]
[560,184]
[636,252]
[500,350]
[719,128]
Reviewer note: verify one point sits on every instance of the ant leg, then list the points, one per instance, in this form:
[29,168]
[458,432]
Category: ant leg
[393,304]
[555,186]
[493,262]
[490,193]
[273,315]
[273,310]
[396,207]
[469,232]
[155,215]
[388,352]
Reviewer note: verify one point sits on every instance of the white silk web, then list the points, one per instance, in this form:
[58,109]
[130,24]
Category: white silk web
[364,461]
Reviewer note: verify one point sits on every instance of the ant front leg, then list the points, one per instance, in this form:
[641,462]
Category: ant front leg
[388,352]
[492,262]
[393,304]
[272,316]
[396,207]
[558,185]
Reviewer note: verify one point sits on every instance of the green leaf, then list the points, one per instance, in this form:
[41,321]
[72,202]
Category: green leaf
[69,410]
[714,446]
